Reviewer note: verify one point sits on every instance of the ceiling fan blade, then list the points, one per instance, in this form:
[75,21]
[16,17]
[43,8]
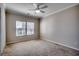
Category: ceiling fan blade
[43,7]
[42,11]
[35,5]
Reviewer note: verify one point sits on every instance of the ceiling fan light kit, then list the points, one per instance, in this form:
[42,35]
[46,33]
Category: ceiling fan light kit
[37,11]
[38,8]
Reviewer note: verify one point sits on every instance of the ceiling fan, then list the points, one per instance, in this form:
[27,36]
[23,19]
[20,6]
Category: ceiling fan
[39,7]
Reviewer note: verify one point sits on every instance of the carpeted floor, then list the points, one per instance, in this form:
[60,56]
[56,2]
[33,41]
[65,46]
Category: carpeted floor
[38,48]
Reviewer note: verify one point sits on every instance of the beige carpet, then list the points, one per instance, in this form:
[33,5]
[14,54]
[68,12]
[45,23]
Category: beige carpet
[38,48]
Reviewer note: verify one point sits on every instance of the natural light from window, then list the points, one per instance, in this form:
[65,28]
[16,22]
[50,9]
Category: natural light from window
[24,28]
[30,28]
[20,28]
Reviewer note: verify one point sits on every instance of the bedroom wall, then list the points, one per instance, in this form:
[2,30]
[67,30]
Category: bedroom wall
[11,19]
[0,30]
[3,28]
[62,28]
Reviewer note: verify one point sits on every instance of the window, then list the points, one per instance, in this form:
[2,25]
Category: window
[24,28]
[30,28]
[20,28]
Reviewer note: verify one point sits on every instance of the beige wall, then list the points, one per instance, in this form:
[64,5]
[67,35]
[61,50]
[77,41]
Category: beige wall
[0,31]
[11,27]
[3,28]
[62,27]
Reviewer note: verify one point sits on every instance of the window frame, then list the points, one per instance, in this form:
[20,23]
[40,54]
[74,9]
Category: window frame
[22,29]
[31,23]
[26,28]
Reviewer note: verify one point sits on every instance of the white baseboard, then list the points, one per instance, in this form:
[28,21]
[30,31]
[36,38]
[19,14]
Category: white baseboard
[61,44]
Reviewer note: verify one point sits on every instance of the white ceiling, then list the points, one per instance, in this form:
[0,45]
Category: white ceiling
[24,8]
